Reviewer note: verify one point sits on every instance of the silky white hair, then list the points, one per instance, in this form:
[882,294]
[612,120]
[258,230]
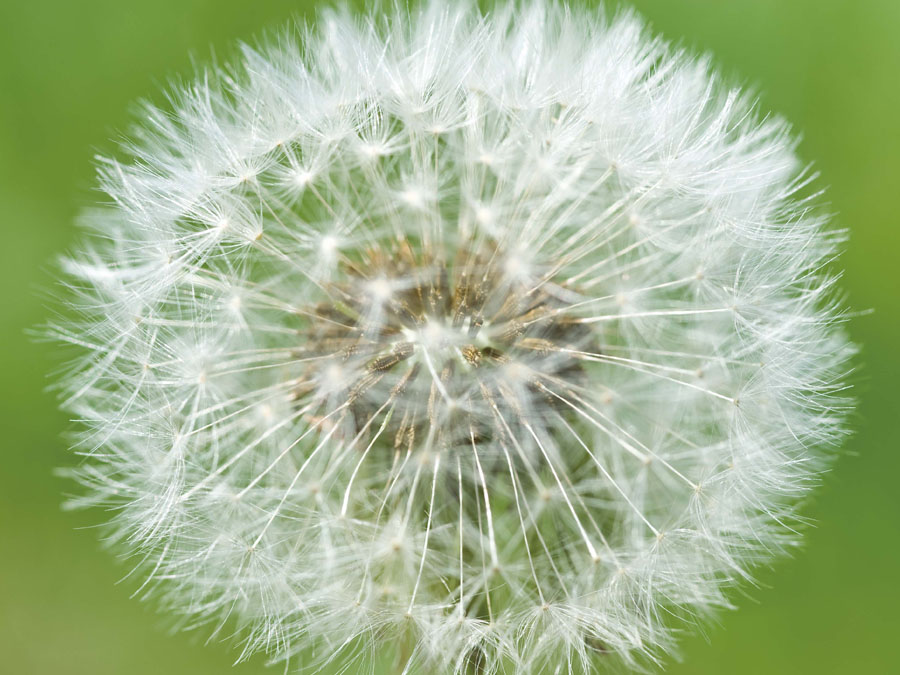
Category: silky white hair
[462,341]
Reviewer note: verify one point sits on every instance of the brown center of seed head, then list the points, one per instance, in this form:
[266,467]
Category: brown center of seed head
[450,347]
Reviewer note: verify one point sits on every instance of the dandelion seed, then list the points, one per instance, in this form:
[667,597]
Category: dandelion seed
[501,341]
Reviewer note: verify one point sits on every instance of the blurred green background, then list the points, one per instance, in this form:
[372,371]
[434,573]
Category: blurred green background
[69,72]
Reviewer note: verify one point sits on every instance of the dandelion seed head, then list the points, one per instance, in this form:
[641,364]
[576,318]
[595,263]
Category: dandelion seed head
[504,338]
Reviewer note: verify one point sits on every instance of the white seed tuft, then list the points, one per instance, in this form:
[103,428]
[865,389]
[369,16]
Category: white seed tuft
[502,340]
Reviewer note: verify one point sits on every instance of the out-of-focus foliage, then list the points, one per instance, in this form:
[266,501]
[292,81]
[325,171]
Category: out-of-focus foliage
[69,73]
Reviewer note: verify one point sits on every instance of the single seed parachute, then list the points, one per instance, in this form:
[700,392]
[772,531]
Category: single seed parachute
[478,343]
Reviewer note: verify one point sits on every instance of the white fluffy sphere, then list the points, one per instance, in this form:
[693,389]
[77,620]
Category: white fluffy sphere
[501,341]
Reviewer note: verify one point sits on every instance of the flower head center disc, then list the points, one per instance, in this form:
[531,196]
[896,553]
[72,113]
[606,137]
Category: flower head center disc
[448,348]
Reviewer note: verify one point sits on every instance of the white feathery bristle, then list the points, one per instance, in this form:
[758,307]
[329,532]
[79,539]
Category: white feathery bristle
[493,342]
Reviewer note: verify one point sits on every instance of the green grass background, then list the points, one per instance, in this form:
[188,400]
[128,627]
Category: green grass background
[69,72]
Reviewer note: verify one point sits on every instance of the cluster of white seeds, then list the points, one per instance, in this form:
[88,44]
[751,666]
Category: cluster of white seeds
[495,343]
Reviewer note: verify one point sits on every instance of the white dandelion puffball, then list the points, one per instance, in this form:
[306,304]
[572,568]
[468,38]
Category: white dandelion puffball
[475,343]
